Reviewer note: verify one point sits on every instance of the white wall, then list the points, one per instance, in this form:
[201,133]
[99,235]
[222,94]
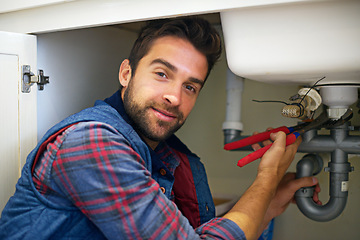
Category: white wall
[83,66]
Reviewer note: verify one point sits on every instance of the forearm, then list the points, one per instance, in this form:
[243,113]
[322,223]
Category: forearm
[249,211]
[265,223]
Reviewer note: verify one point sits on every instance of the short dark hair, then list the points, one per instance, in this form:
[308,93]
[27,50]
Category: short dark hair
[197,31]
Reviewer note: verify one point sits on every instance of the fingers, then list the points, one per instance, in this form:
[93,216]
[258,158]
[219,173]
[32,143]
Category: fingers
[279,156]
[291,150]
[288,177]
[257,146]
[279,139]
[296,184]
[316,194]
[297,142]
[303,182]
[274,160]
[267,142]
[276,151]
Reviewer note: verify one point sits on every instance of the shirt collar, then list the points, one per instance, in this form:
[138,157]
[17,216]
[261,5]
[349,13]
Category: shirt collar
[116,102]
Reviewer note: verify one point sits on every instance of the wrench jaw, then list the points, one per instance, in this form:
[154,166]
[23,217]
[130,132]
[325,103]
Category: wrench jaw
[342,120]
[317,123]
[323,121]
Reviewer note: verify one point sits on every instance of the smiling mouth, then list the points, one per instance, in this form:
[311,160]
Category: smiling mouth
[164,115]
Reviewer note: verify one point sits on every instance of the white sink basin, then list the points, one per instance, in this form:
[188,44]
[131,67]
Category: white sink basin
[297,42]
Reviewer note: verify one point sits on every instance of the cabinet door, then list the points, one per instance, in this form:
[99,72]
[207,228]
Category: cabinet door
[18,124]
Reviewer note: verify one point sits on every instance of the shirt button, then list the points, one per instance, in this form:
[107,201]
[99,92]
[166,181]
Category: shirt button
[163,172]
[162,189]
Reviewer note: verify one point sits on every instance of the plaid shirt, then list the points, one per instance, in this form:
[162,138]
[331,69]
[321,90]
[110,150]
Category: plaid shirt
[92,166]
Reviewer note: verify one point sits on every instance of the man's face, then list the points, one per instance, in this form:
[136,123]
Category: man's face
[164,89]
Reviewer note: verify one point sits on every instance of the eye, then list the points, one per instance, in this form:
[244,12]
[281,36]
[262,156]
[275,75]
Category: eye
[190,88]
[161,74]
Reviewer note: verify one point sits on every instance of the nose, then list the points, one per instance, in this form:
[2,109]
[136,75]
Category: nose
[173,95]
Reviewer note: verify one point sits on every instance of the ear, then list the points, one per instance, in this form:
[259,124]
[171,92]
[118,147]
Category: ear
[125,73]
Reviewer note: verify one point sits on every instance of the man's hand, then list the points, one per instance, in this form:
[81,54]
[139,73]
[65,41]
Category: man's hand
[278,158]
[252,208]
[285,194]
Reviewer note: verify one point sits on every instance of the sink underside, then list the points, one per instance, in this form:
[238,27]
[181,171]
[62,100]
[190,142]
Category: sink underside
[295,42]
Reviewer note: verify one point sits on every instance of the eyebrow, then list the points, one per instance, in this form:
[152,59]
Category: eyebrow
[174,69]
[164,62]
[197,81]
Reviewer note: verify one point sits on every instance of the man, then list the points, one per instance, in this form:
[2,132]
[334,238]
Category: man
[116,171]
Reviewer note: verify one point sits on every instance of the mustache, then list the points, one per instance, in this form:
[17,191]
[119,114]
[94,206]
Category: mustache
[170,109]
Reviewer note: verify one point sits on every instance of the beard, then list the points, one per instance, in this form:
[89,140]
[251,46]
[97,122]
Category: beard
[141,121]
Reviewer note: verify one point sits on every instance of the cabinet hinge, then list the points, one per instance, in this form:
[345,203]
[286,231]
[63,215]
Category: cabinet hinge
[29,78]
